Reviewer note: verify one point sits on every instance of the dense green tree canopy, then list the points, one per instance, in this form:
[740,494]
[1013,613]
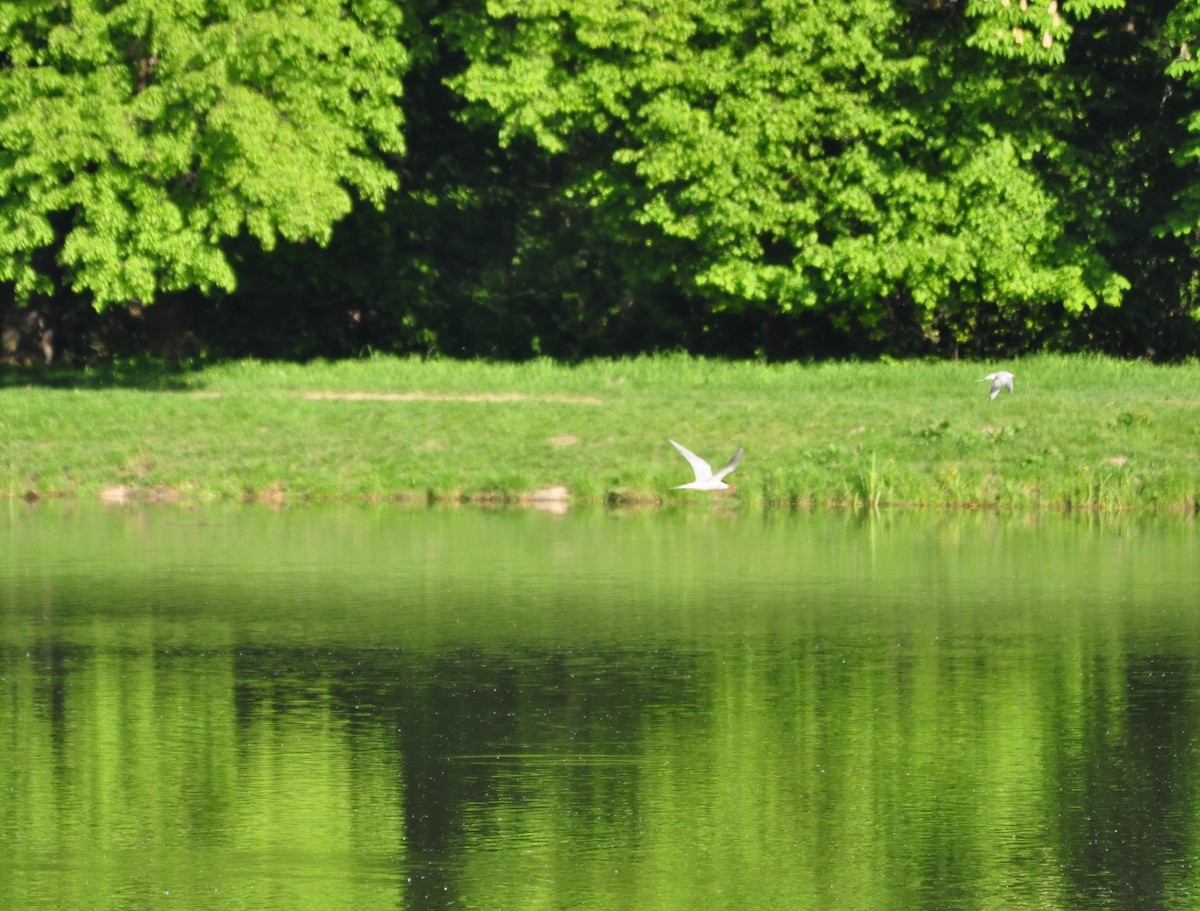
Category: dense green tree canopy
[136,135]
[818,155]
[1182,38]
[1035,31]
[579,177]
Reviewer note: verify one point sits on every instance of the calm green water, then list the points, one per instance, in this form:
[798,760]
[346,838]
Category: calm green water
[377,708]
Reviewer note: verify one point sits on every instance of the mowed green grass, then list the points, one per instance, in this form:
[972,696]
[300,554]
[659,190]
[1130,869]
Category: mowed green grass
[1078,432]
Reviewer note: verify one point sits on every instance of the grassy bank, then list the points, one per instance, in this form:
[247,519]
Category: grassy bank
[1078,432]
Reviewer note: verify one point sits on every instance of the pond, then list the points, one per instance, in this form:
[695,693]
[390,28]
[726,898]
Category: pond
[326,708]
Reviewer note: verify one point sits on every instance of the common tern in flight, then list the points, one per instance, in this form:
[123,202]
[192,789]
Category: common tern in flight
[1002,379]
[706,479]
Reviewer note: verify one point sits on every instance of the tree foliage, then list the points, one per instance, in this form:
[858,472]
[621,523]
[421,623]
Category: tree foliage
[1036,31]
[136,136]
[586,177]
[798,155]
[1182,37]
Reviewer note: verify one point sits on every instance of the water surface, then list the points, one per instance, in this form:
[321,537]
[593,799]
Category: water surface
[367,708]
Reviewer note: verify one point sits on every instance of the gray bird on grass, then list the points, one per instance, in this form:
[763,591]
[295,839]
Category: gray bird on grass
[1001,379]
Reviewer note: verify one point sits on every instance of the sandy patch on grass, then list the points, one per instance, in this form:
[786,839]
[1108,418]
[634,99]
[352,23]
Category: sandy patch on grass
[553,500]
[491,397]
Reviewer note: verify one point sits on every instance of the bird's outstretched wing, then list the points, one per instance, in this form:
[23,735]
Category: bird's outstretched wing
[1001,380]
[701,468]
[731,465]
